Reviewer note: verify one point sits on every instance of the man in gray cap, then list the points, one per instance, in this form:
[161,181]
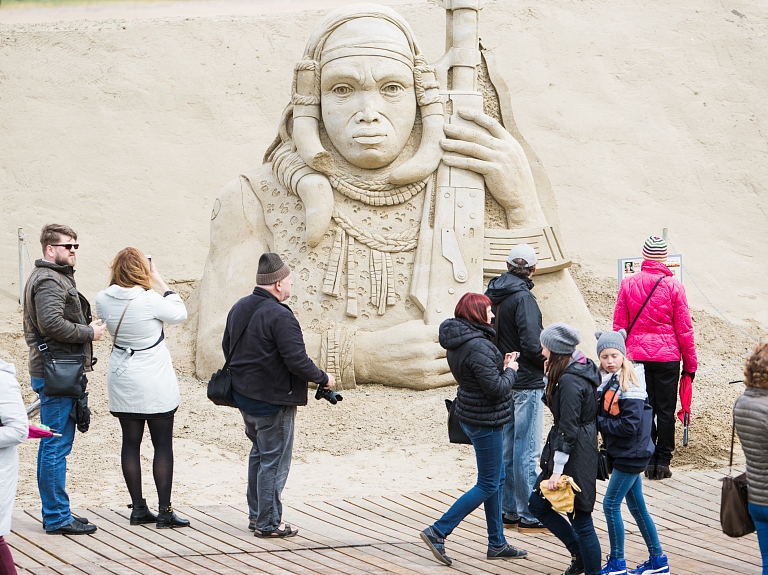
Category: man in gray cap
[270,369]
[518,326]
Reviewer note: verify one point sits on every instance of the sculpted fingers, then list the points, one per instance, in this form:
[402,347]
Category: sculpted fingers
[467,134]
[477,166]
[467,149]
[485,121]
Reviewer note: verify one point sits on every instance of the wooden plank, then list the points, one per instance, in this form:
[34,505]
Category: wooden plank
[129,541]
[337,519]
[352,515]
[331,559]
[234,518]
[344,536]
[278,563]
[26,555]
[240,540]
[62,547]
[201,565]
[116,568]
[361,554]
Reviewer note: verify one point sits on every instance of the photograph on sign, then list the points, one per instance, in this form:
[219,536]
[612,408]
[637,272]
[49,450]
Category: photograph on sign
[630,266]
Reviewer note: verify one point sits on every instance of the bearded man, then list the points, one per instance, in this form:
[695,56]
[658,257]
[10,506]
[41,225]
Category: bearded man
[349,196]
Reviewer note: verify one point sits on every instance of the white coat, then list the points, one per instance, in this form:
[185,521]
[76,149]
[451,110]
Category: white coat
[142,383]
[14,430]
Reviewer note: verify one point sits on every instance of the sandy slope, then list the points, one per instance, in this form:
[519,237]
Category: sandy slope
[646,115]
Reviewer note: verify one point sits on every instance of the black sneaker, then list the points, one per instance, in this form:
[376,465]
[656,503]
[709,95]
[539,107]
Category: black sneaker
[576,567]
[526,526]
[436,545]
[506,552]
[510,520]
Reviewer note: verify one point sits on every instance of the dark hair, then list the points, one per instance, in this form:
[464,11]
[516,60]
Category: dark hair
[473,307]
[518,270]
[756,368]
[51,234]
[555,368]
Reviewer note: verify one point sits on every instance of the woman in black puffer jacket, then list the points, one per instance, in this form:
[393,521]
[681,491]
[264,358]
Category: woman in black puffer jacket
[483,402]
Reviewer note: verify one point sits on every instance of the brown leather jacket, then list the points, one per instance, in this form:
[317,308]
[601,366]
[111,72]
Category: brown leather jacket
[60,313]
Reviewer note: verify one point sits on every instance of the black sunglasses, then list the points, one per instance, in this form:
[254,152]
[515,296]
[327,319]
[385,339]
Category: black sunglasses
[66,246]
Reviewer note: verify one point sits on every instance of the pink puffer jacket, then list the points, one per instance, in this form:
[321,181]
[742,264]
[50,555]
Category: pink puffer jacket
[663,332]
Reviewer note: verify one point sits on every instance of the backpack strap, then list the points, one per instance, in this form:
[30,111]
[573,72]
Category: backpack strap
[119,323]
[645,303]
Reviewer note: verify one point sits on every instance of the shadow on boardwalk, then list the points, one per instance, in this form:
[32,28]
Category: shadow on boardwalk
[378,535]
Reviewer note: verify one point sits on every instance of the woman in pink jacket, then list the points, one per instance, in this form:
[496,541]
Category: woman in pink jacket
[653,309]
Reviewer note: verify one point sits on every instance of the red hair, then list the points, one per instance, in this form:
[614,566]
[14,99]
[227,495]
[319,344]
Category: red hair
[473,307]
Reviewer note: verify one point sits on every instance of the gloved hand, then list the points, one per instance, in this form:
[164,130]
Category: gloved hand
[692,374]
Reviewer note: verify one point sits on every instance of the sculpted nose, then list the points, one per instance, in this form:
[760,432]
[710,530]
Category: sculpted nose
[368,114]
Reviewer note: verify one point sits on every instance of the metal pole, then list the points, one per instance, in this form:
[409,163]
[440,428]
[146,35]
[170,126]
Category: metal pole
[22,275]
[665,234]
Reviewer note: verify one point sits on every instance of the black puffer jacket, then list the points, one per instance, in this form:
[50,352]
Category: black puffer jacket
[484,396]
[574,410]
[519,326]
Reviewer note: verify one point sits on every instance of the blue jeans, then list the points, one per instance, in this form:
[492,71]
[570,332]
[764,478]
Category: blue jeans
[578,536]
[759,515]
[522,449]
[488,444]
[629,485]
[52,457]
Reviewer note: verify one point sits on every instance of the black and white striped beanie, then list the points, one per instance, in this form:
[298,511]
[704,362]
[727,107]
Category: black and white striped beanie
[655,248]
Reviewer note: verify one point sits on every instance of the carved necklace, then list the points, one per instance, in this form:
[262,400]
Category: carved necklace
[374,192]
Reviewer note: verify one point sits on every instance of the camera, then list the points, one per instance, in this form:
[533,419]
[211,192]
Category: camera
[328,394]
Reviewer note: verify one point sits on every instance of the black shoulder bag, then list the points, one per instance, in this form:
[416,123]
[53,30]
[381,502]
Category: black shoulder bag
[734,502]
[220,384]
[64,373]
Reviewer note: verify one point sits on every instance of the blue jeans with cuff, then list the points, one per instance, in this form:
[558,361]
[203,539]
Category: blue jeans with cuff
[488,444]
[759,514]
[522,449]
[629,485]
[52,457]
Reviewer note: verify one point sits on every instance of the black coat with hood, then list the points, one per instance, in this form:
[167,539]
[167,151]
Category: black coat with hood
[519,326]
[484,396]
[574,410]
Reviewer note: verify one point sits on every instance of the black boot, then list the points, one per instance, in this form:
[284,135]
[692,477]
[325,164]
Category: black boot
[576,567]
[167,519]
[140,513]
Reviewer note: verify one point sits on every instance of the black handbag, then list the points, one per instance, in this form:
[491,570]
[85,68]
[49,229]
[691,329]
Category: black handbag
[220,384]
[63,373]
[603,464]
[456,433]
[734,502]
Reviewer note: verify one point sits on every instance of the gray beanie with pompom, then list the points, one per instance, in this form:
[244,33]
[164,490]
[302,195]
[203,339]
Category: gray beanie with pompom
[611,339]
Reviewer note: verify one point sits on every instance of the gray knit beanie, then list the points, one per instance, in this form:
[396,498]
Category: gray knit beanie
[271,269]
[611,339]
[560,338]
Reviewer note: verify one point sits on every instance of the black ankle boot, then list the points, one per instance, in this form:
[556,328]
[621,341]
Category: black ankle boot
[167,519]
[576,567]
[140,513]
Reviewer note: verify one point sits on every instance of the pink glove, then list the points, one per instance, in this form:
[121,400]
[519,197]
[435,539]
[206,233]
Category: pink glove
[36,432]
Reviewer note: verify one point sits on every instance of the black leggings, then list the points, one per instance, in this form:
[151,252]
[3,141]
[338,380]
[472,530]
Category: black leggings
[161,432]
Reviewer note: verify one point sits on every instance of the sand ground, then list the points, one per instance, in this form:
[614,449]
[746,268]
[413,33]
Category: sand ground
[647,115]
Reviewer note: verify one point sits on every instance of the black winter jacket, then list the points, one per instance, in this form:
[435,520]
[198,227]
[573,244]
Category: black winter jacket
[519,326]
[270,362]
[574,410]
[484,396]
[627,431]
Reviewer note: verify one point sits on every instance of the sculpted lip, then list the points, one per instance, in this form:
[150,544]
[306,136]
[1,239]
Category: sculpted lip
[368,136]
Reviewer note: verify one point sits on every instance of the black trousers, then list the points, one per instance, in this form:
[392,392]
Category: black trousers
[661,380]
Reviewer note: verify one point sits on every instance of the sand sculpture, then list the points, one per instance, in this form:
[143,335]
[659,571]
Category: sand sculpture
[392,188]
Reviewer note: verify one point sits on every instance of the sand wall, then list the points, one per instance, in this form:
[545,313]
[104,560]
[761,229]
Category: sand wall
[647,115]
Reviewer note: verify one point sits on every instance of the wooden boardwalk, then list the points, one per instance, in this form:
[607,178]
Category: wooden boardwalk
[374,535]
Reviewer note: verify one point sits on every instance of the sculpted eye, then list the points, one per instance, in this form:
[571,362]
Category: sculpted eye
[392,89]
[342,90]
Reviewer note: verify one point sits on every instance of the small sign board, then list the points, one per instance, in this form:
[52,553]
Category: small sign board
[629,266]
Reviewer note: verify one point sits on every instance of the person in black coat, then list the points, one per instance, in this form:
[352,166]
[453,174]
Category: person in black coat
[571,446]
[485,379]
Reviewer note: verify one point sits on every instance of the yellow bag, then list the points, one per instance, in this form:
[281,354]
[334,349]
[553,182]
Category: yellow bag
[563,497]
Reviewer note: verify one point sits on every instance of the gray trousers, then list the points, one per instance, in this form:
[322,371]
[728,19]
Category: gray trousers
[268,465]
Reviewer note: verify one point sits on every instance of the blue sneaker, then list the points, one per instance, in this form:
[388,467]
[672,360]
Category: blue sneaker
[655,564]
[615,566]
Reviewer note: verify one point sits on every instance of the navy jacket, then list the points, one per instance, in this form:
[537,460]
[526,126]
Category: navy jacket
[270,362]
[519,326]
[626,434]
[484,397]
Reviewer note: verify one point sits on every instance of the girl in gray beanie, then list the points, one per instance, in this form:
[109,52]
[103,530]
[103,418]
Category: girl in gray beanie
[571,449]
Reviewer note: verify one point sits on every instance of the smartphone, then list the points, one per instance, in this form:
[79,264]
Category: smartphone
[149,257]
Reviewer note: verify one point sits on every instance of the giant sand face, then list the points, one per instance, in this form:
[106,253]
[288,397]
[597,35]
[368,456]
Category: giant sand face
[393,187]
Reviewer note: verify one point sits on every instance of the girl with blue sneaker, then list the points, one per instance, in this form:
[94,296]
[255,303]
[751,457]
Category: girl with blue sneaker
[624,420]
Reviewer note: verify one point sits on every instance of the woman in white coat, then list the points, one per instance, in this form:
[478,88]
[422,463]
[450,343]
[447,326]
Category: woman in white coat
[141,382]
[14,429]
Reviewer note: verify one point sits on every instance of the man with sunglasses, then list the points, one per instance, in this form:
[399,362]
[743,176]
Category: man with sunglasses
[62,316]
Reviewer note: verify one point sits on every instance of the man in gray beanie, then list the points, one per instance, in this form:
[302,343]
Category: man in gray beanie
[270,369]
[518,326]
